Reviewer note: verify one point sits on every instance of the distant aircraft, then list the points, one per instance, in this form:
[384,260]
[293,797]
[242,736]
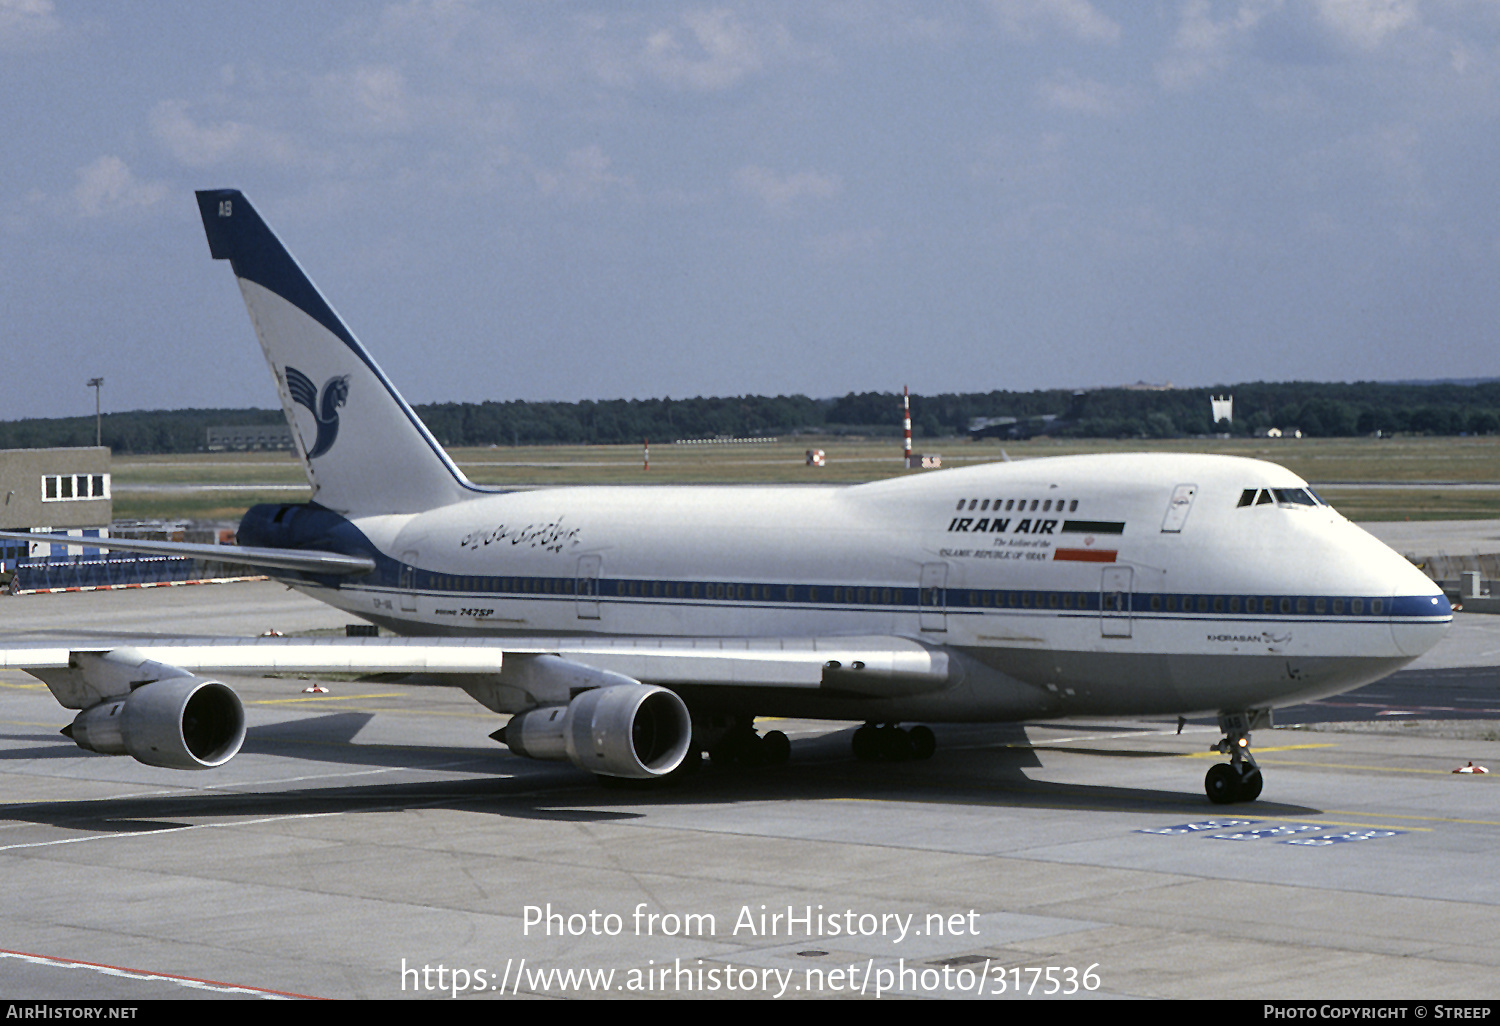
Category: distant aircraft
[629,629]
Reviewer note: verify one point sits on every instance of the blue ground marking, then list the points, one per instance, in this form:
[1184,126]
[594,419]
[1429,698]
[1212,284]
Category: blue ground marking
[1345,838]
[1207,824]
[1232,830]
[1284,830]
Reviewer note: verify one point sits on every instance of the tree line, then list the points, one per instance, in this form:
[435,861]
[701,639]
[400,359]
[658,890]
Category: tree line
[1317,409]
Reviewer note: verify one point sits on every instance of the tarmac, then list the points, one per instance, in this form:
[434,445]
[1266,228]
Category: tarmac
[372,842]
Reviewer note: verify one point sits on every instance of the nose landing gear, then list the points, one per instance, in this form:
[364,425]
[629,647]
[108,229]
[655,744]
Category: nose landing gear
[1239,780]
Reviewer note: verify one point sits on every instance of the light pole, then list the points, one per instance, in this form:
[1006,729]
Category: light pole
[96,384]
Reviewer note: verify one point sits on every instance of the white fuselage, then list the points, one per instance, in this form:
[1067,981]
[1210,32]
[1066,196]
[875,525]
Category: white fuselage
[1127,584]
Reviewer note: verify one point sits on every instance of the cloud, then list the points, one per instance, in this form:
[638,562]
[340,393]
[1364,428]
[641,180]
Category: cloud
[585,176]
[1027,19]
[1066,91]
[370,97]
[779,192]
[1365,24]
[1202,46]
[717,52]
[27,21]
[201,146]
[108,186]
[837,246]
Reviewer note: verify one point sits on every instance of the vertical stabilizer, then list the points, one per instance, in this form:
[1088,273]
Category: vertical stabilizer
[364,448]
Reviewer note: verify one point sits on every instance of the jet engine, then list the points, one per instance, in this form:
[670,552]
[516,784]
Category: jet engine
[182,722]
[638,731]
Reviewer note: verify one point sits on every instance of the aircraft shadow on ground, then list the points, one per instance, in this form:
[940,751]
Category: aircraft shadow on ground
[975,766]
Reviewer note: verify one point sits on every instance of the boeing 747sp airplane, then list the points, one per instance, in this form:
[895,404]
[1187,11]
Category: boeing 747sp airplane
[628,629]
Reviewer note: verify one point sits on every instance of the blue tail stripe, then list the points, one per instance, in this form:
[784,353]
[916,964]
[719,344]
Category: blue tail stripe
[237,234]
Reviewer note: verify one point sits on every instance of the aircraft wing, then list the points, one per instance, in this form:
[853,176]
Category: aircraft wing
[545,668]
[306,560]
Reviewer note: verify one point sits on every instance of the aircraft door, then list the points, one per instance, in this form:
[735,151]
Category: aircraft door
[1114,602]
[408,583]
[1179,508]
[933,597]
[588,587]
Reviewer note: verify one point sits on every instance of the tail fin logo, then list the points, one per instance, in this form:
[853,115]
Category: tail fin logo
[324,408]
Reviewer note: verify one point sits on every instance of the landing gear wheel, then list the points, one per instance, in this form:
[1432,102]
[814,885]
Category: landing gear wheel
[744,747]
[866,743]
[777,748]
[895,743]
[1223,784]
[741,745]
[889,743]
[1250,784]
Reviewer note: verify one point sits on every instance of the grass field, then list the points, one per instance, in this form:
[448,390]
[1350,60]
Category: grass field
[1366,479]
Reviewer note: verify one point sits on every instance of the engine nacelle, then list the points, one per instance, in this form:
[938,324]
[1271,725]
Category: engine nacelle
[184,722]
[637,731]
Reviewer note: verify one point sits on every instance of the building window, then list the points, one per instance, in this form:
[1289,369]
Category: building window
[67,487]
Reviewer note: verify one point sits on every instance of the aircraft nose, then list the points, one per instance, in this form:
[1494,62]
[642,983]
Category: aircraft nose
[1420,623]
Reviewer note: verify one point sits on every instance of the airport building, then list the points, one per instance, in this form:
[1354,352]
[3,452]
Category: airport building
[62,490]
[67,491]
[250,437]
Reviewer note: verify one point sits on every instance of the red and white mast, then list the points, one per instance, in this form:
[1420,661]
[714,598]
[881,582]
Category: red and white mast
[906,424]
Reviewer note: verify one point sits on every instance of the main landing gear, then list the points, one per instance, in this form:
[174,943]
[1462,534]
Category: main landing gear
[741,745]
[889,743]
[1238,780]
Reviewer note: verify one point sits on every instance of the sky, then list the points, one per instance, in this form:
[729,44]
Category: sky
[597,200]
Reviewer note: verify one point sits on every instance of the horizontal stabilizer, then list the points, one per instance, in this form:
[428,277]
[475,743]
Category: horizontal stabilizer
[305,560]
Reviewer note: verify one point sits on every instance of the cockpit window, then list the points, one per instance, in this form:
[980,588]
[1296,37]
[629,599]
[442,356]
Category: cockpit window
[1280,496]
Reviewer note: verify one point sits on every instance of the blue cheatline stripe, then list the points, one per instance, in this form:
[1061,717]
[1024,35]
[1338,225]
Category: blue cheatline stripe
[955,600]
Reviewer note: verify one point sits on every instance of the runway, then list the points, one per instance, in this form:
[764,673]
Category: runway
[373,842]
